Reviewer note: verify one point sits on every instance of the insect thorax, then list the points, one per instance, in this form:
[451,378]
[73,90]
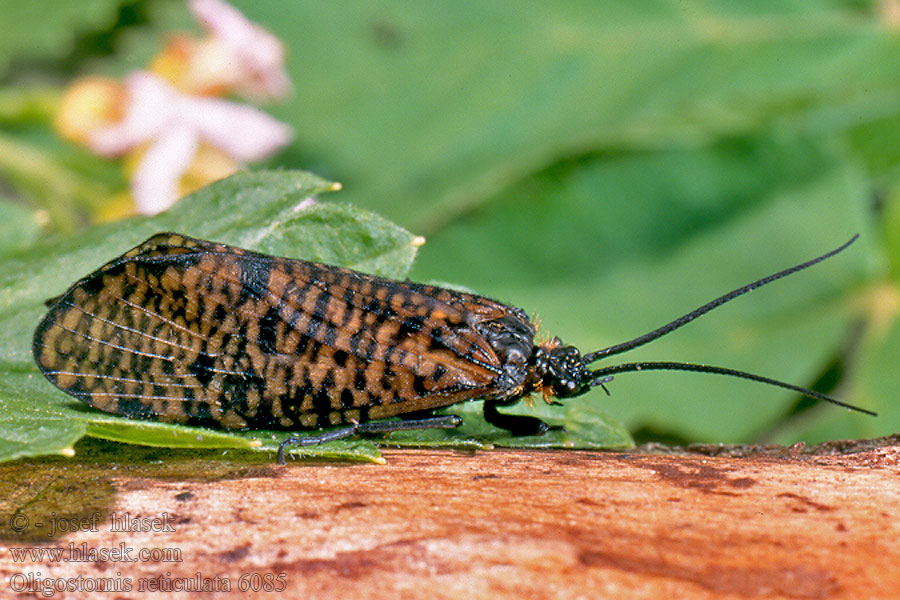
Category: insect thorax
[552,367]
[511,336]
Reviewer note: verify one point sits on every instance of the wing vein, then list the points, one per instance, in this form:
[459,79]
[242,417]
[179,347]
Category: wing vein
[162,318]
[139,352]
[137,331]
[121,379]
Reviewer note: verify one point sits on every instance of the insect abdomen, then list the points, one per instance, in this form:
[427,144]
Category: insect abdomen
[187,331]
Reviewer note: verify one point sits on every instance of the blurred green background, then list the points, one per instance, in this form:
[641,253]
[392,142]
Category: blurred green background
[607,166]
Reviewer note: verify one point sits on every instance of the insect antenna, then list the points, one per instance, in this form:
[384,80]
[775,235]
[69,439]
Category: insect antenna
[699,312]
[604,374]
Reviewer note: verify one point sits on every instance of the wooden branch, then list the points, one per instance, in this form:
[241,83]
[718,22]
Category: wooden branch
[439,524]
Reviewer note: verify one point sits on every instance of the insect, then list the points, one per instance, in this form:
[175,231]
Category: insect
[188,331]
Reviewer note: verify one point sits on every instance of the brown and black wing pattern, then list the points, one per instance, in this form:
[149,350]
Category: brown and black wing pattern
[183,330]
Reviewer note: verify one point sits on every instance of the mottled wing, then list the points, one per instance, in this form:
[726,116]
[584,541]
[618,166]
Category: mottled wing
[113,339]
[183,330]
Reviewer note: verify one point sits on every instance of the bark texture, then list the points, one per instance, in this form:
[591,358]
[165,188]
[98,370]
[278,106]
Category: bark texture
[440,524]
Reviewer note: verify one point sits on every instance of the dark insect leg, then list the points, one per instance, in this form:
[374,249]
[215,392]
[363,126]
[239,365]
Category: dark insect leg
[448,422]
[517,425]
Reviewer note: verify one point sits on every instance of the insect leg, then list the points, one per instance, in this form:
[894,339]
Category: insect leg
[314,440]
[517,425]
[447,422]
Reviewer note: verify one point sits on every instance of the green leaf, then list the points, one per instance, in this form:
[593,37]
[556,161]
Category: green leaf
[148,433]
[579,425]
[33,420]
[44,30]
[610,165]
[874,385]
[19,227]
[275,212]
[608,247]
[452,102]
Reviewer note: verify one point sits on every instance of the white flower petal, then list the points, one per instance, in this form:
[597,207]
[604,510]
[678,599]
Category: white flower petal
[259,54]
[156,109]
[149,111]
[220,18]
[174,124]
[154,184]
[241,131]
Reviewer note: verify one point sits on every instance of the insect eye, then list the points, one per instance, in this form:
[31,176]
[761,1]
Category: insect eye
[567,387]
[562,369]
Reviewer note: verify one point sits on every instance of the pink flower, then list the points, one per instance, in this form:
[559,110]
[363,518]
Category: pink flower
[172,126]
[238,54]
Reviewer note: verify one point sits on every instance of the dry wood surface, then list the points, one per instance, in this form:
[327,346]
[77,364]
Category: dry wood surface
[441,524]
